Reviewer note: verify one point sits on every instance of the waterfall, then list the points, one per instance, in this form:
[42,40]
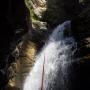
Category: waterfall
[58,55]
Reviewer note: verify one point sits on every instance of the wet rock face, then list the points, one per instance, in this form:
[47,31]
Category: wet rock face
[25,63]
[12,19]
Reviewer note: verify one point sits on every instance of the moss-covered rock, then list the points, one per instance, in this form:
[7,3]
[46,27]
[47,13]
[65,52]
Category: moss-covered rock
[36,7]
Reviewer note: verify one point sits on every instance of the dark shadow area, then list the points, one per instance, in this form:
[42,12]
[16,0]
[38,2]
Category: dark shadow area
[81,32]
[80,79]
[12,20]
[59,11]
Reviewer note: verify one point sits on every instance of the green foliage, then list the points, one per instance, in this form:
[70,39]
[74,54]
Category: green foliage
[32,14]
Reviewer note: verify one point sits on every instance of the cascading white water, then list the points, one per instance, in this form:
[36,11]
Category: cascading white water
[58,53]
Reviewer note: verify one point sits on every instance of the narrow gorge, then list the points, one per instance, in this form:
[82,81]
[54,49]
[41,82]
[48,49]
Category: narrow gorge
[51,32]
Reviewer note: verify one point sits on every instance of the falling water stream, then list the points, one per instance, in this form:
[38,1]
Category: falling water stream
[58,55]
